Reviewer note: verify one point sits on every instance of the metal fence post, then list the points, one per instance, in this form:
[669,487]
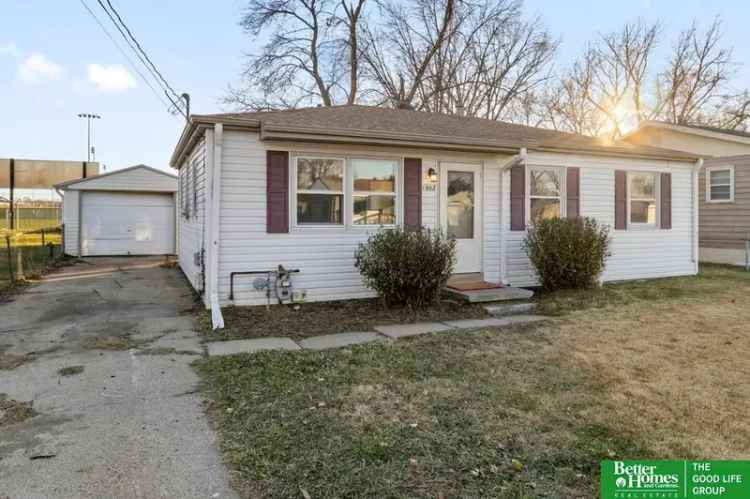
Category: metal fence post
[10,259]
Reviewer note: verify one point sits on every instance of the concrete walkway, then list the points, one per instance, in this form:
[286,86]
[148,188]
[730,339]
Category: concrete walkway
[394,332]
[131,424]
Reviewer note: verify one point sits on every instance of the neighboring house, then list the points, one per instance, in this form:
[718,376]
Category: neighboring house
[123,212]
[724,184]
[303,188]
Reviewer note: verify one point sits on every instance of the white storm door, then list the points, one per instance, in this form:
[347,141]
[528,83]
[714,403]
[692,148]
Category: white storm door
[461,212]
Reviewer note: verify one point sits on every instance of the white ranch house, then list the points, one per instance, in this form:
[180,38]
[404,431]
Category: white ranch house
[303,188]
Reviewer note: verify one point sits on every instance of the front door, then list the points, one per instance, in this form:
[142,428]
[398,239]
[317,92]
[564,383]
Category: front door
[461,211]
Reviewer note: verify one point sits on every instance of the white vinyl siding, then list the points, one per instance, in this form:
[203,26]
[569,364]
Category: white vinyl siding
[70,221]
[191,231]
[324,255]
[635,254]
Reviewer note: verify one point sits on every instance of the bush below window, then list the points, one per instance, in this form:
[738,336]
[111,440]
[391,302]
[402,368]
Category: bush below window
[567,253]
[406,267]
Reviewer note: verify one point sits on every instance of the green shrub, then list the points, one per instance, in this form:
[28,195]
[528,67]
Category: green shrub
[406,267]
[567,253]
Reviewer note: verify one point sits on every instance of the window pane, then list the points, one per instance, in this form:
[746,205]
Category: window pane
[642,212]
[320,174]
[720,192]
[542,209]
[319,208]
[374,210]
[642,185]
[374,175]
[544,182]
[720,177]
[461,205]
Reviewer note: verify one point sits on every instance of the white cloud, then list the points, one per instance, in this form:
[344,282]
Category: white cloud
[9,49]
[37,68]
[110,79]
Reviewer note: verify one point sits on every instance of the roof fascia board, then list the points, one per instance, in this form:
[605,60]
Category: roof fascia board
[694,131]
[69,183]
[337,139]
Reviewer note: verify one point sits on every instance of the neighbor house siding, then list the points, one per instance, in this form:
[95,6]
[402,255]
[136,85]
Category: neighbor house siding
[325,256]
[726,225]
[636,253]
[192,229]
[71,224]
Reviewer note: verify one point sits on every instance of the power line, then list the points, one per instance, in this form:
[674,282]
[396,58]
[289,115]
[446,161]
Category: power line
[143,59]
[141,53]
[127,57]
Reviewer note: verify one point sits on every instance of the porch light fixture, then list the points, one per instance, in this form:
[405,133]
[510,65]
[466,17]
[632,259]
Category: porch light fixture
[432,175]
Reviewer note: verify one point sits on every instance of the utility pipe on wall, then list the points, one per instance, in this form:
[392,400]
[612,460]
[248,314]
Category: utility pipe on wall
[696,204]
[217,320]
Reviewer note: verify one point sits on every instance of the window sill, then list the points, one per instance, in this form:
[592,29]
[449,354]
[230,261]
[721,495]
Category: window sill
[720,201]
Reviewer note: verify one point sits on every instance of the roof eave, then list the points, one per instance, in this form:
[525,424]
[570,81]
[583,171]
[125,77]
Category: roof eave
[727,137]
[619,153]
[194,129]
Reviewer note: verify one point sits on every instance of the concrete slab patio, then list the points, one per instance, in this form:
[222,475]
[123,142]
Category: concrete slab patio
[128,425]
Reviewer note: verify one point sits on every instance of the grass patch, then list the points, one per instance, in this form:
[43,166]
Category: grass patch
[164,351]
[9,361]
[109,343]
[12,411]
[470,415]
[70,370]
[318,318]
[647,373]
[712,279]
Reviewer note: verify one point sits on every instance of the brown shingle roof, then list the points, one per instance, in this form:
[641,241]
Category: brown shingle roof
[417,126]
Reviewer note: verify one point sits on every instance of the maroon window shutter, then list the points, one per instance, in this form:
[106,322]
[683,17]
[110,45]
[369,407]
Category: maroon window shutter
[573,192]
[277,192]
[518,198]
[666,200]
[621,200]
[413,192]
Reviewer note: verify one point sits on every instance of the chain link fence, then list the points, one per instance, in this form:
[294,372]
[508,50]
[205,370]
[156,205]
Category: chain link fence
[27,254]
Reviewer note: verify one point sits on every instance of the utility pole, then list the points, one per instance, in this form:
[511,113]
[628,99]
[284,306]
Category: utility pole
[89,117]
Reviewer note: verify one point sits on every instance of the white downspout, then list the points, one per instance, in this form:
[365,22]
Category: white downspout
[217,320]
[520,158]
[696,204]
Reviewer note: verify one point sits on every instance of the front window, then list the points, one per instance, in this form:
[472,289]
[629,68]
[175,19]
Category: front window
[374,191]
[320,191]
[720,185]
[544,193]
[642,189]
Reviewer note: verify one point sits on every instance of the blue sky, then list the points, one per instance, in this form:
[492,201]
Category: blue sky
[56,62]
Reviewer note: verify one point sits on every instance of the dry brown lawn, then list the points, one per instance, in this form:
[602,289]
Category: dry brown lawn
[678,373]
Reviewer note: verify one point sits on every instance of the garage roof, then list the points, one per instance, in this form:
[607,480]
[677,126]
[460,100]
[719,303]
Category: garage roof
[138,178]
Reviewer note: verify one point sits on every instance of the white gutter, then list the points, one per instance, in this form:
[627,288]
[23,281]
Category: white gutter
[695,250]
[213,250]
[519,159]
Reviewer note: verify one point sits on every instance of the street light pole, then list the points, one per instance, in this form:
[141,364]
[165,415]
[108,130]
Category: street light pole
[89,117]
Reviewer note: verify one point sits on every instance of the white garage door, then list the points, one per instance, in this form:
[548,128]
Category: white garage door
[120,223]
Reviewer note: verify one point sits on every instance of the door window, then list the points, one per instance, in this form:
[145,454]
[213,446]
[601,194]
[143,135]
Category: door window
[461,205]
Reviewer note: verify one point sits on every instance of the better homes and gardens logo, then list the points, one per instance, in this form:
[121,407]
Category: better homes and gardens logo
[675,479]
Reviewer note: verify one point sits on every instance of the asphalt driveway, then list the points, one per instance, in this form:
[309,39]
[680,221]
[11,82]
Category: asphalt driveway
[130,424]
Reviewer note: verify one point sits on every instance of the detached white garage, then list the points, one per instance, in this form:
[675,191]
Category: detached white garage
[125,212]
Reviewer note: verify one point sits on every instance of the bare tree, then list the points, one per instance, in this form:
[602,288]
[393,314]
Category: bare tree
[488,66]
[305,59]
[694,83]
[399,52]
[353,13]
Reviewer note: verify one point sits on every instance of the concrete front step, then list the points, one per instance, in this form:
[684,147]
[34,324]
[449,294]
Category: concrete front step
[502,309]
[490,295]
